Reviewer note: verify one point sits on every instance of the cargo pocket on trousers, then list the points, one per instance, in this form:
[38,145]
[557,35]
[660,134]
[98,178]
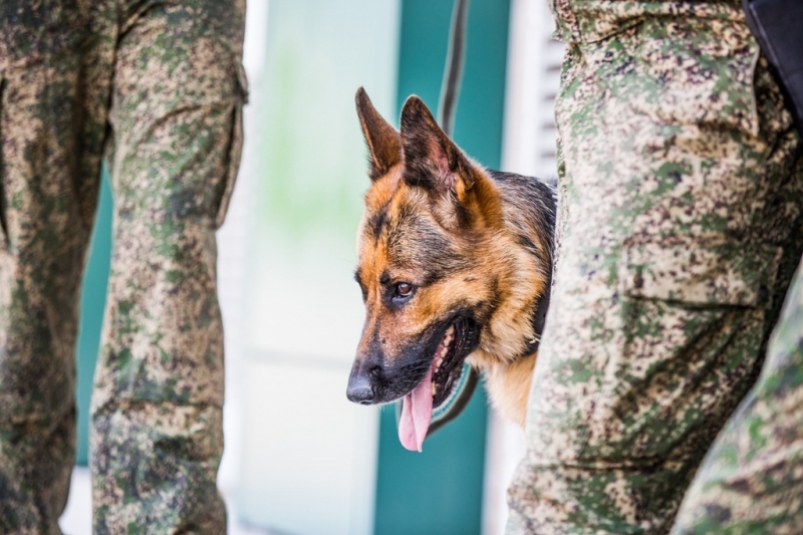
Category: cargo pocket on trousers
[693,314]
[700,272]
[235,143]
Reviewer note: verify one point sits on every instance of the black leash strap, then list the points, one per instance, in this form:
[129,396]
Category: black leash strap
[450,91]
[778,27]
[453,73]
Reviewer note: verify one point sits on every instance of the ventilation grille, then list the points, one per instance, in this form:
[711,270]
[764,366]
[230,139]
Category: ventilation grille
[534,66]
[546,138]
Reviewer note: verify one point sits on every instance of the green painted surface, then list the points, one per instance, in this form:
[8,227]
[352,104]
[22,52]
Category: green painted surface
[93,302]
[311,171]
[312,152]
[439,491]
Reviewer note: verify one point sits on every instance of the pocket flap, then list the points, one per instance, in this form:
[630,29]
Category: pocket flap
[699,271]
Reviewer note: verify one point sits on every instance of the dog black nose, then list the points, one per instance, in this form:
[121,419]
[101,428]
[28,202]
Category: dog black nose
[360,390]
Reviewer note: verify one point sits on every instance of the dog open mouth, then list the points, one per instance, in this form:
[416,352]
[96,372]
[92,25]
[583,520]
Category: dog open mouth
[438,385]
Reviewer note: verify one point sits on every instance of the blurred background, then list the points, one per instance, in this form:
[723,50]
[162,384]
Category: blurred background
[300,459]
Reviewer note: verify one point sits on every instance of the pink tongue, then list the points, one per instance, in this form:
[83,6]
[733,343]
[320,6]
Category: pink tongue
[416,414]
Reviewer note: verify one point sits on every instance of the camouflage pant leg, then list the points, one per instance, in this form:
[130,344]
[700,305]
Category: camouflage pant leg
[751,481]
[156,438]
[680,232]
[54,85]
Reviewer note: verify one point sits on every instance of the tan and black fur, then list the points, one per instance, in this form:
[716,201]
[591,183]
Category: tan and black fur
[443,242]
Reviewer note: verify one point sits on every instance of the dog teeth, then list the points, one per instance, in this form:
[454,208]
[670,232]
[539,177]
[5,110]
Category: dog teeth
[443,350]
[449,336]
[433,390]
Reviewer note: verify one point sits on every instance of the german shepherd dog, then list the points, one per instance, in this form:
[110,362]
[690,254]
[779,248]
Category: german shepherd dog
[455,265]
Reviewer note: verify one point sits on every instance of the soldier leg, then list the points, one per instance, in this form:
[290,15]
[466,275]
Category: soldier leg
[751,481]
[681,229]
[157,407]
[54,83]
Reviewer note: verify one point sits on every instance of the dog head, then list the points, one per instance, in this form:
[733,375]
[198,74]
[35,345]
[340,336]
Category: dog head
[432,255]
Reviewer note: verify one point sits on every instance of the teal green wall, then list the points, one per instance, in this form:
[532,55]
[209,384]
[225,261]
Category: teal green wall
[439,491]
[93,300]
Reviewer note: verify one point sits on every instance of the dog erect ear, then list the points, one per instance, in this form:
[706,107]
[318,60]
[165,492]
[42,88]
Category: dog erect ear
[383,140]
[431,160]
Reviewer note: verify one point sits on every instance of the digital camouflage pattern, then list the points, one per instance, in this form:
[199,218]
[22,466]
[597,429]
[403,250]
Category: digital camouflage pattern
[156,87]
[751,480]
[680,228]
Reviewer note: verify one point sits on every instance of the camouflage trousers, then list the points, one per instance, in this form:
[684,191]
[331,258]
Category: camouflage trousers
[680,227]
[156,87]
[751,482]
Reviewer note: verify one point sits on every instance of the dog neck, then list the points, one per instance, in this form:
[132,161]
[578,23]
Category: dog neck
[509,387]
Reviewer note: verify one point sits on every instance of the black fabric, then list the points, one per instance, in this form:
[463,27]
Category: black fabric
[778,28]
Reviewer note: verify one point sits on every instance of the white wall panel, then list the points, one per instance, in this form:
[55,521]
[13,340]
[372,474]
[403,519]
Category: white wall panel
[306,461]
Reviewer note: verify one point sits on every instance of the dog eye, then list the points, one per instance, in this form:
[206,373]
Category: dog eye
[403,290]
